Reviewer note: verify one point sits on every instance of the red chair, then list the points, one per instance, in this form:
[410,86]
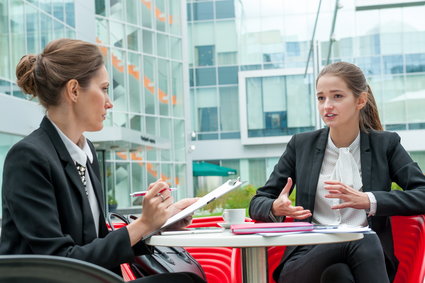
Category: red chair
[127,273]
[409,248]
[207,219]
[225,259]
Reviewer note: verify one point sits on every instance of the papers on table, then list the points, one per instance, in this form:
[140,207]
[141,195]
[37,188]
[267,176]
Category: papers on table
[328,229]
[280,227]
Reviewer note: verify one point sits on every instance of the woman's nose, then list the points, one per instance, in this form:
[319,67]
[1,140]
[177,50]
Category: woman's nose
[108,103]
[328,104]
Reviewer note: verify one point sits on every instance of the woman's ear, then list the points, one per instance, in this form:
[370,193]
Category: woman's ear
[72,90]
[362,100]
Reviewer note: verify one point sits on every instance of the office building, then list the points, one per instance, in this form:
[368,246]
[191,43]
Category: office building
[253,64]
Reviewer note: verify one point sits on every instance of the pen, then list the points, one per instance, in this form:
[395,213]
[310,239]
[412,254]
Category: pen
[143,193]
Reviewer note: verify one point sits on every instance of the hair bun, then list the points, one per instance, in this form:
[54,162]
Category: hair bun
[25,74]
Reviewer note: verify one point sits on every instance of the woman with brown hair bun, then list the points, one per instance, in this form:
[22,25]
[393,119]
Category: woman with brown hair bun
[343,175]
[52,196]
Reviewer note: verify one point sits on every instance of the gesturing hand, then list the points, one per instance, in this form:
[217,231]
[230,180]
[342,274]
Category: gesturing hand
[349,196]
[282,206]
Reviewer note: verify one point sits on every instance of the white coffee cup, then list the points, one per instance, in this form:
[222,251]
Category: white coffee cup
[234,215]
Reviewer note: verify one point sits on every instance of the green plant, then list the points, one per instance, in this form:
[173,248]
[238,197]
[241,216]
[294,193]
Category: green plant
[238,198]
[112,200]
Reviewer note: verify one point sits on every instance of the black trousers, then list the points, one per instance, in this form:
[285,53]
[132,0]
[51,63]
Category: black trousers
[178,277]
[357,261]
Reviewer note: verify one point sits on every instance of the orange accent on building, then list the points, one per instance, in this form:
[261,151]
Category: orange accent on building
[132,72]
[164,178]
[159,15]
[147,3]
[170,20]
[149,166]
[162,96]
[134,156]
[148,84]
[116,63]
[150,169]
[122,155]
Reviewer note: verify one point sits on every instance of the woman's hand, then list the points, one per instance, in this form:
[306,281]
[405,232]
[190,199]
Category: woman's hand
[156,210]
[282,206]
[349,196]
[176,208]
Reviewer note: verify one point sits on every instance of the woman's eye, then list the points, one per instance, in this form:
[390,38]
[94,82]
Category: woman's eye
[320,98]
[338,96]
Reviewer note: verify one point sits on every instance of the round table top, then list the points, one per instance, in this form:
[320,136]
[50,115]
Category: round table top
[228,239]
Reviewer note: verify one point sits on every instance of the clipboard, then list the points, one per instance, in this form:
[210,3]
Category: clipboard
[203,201]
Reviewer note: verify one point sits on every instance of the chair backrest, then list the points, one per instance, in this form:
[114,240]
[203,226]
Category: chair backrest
[215,261]
[52,269]
[409,248]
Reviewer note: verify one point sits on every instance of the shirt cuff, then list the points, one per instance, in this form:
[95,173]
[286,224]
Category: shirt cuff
[372,200]
[275,218]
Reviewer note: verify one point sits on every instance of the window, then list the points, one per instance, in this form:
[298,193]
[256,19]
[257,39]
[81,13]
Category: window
[203,11]
[227,75]
[206,76]
[204,55]
[293,48]
[275,104]
[369,65]
[393,64]
[208,119]
[415,63]
[224,9]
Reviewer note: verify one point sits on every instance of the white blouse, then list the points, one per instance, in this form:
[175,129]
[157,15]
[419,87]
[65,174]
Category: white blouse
[339,164]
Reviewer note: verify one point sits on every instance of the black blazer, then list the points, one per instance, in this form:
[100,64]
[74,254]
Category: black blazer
[46,210]
[383,160]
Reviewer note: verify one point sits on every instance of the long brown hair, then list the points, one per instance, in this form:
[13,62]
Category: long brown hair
[356,82]
[45,75]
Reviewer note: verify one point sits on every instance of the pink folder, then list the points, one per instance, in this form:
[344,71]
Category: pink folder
[272,227]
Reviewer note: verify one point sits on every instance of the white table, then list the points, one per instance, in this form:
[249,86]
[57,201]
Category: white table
[254,247]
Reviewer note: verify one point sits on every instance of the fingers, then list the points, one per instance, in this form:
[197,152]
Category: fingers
[182,204]
[157,187]
[287,187]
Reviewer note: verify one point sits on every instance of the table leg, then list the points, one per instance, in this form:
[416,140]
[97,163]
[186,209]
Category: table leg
[254,265]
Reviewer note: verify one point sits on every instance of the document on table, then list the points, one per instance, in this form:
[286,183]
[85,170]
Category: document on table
[327,229]
[211,196]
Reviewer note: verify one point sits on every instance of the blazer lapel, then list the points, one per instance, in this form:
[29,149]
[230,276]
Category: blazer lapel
[70,170]
[68,163]
[366,161]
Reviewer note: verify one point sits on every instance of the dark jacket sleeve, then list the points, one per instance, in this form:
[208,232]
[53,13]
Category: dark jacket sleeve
[261,203]
[407,174]
[42,212]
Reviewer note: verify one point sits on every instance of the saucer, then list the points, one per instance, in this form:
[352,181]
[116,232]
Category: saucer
[227,225]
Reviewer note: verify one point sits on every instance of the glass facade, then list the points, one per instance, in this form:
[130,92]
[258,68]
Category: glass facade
[25,27]
[251,67]
[142,45]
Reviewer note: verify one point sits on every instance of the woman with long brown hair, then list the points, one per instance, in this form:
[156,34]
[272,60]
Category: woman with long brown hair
[343,175]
